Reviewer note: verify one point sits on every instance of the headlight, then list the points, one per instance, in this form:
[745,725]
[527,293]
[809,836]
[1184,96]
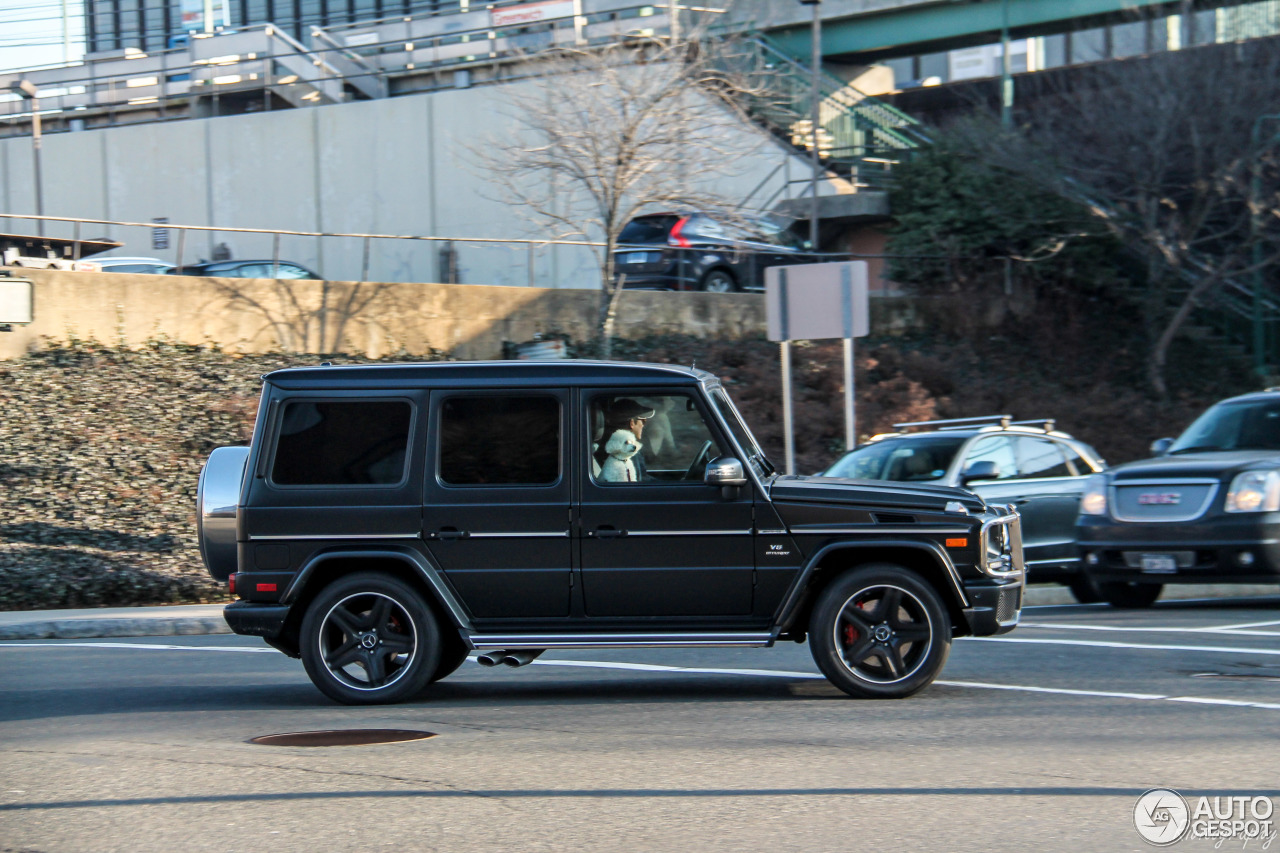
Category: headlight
[1254,491]
[1093,501]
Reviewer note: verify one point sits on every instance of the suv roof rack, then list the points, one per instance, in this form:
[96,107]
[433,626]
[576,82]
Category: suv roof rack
[959,423]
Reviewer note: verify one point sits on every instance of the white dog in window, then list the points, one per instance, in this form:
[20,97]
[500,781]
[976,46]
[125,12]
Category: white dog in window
[619,468]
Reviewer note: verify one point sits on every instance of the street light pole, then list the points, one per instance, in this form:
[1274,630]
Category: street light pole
[1006,69]
[27,90]
[1255,228]
[815,115]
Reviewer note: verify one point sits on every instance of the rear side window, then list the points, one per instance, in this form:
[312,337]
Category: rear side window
[647,229]
[346,443]
[500,441]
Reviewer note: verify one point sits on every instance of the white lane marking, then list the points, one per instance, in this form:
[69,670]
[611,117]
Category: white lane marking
[151,646]
[1227,631]
[977,685]
[1232,599]
[1105,644]
[1247,625]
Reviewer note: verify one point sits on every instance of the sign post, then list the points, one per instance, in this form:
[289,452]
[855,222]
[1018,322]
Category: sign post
[812,302]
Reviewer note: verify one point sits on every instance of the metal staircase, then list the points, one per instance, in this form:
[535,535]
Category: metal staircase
[860,138]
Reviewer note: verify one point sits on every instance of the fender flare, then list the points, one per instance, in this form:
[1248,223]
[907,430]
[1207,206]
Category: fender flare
[426,571]
[795,596]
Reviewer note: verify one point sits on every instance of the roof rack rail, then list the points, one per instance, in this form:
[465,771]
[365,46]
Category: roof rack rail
[1002,420]
[1047,424]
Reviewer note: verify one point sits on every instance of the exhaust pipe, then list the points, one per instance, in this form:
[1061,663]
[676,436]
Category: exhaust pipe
[521,657]
[517,657]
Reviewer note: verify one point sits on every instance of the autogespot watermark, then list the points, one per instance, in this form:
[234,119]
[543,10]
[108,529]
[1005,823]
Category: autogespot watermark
[1163,817]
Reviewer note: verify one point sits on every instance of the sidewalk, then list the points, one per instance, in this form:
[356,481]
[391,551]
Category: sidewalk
[190,619]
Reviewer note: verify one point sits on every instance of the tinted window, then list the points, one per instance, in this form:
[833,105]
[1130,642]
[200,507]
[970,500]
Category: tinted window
[647,229]
[293,271]
[998,450]
[500,441]
[902,459]
[1040,457]
[342,443]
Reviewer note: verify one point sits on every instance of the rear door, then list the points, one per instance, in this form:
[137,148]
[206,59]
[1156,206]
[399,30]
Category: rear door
[496,509]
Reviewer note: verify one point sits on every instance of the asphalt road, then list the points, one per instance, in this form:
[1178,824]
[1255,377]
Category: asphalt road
[1042,740]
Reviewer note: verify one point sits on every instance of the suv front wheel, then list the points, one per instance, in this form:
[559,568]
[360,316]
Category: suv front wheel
[718,281]
[369,639]
[880,632]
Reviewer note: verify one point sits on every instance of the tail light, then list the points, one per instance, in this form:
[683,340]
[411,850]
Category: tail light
[231,583]
[674,238]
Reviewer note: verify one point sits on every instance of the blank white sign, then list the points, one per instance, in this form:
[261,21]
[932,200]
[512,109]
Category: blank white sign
[15,301]
[810,302]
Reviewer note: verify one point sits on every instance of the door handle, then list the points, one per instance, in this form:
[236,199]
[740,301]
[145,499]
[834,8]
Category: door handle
[451,533]
[608,532]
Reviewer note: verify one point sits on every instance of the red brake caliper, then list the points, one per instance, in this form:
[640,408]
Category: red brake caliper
[850,635]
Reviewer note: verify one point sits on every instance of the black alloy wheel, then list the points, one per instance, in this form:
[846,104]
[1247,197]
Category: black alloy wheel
[880,632]
[1084,590]
[718,281]
[370,639]
[1130,596]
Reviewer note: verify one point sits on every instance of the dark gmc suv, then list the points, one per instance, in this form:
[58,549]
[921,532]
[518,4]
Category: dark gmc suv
[1206,510]
[389,519]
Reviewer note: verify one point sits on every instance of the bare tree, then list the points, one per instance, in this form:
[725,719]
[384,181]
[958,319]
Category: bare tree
[1165,151]
[616,131]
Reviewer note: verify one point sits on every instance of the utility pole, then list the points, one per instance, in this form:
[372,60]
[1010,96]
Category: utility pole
[1255,229]
[1006,69]
[27,90]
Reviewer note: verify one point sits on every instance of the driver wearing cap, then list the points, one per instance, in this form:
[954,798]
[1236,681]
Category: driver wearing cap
[625,413]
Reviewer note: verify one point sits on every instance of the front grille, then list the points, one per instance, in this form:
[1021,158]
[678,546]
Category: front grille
[1159,501]
[1008,605]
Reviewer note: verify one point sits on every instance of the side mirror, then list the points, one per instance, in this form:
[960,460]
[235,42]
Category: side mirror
[1161,446]
[724,471]
[984,470]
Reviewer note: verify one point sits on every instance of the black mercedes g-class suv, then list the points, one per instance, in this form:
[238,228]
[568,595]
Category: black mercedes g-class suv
[386,520]
[1205,510]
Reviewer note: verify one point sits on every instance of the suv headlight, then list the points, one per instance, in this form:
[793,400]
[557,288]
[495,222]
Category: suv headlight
[1093,501]
[1254,491]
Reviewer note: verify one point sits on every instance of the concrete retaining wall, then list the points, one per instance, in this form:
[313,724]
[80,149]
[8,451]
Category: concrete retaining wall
[259,315]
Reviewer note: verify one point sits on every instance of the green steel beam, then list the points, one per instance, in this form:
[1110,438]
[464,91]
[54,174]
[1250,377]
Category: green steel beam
[950,20]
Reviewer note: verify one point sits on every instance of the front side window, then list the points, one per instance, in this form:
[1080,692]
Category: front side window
[1246,425]
[342,443]
[500,440]
[1040,457]
[650,438]
[998,450]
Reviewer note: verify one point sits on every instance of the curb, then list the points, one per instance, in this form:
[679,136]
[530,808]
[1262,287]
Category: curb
[81,629]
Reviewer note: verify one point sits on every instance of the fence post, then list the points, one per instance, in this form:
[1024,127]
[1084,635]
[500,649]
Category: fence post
[275,255]
[364,266]
[530,262]
[182,242]
[75,252]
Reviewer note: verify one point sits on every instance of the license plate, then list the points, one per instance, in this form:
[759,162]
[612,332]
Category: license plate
[1160,564]
[633,257]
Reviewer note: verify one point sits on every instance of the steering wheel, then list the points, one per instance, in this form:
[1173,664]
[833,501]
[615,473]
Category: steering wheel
[699,462]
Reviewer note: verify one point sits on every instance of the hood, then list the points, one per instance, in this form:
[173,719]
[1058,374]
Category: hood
[876,493]
[1217,464]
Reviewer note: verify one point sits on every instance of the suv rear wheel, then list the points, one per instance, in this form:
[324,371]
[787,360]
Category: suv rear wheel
[718,281]
[369,639]
[880,632]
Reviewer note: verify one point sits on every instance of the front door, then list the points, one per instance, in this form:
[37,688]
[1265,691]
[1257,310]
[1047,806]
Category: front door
[497,504]
[656,541]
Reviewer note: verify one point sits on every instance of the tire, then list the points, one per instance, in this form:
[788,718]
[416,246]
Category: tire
[453,654]
[872,649]
[718,281]
[1085,590]
[370,639]
[1130,596]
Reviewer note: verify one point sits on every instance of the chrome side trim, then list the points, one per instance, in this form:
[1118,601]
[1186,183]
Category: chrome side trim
[367,536]
[1185,481]
[746,532]
[1064,561]
[879,529]
[771,532]
[609,641]
[560,535]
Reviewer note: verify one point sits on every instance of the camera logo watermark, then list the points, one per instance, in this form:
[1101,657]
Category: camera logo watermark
[1163,817]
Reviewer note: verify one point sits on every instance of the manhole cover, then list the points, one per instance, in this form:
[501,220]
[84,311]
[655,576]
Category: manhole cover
[347,737]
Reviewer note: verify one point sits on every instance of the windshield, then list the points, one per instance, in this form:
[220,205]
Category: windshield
[1246,425]
[904,459]
[742,435]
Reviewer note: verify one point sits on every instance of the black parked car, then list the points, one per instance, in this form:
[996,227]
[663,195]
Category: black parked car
[1206,510]
[1039,470]
[695,251]
[247,269]
[388,519]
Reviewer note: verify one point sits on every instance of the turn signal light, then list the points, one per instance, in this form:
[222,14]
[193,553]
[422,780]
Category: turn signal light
[231,583]
[957,543]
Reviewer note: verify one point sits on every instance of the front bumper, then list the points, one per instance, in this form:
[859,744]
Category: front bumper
[995,606]
[1219,548]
